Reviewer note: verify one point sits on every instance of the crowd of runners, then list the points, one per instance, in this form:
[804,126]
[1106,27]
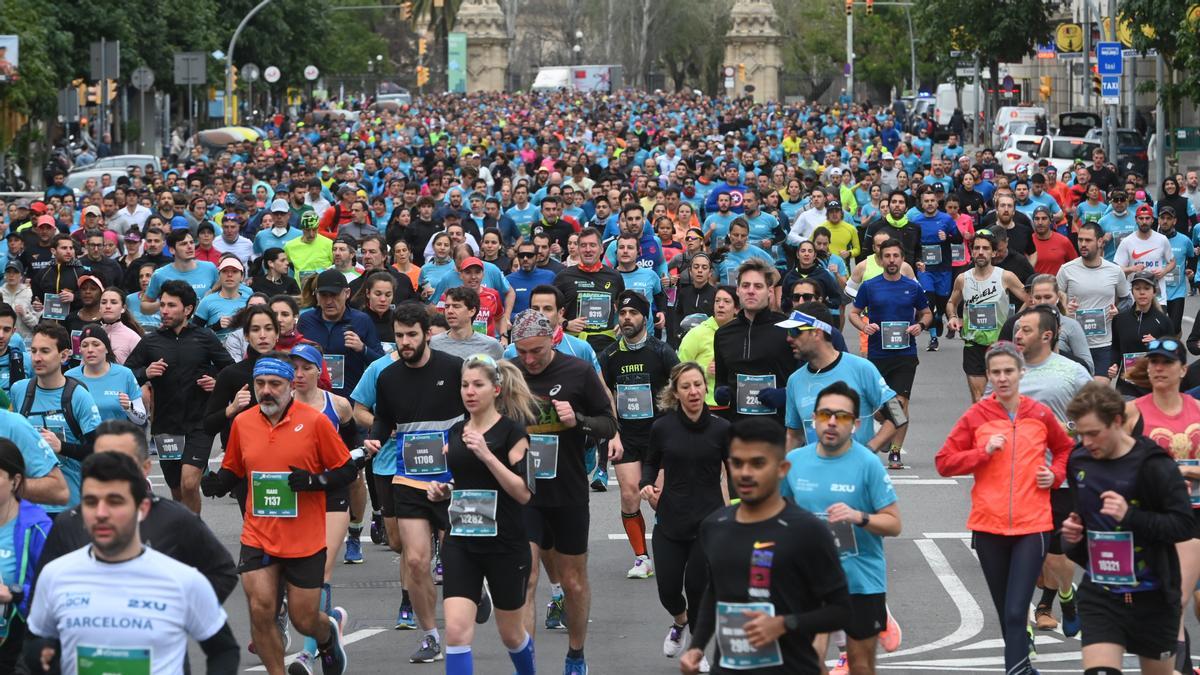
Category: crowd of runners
[441,327]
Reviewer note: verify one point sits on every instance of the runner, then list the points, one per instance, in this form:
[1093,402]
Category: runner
[1003,441]
[774,580]
[15,364]
[289,453]
[697,343]
[120,606]
[179,362]
[1134,327]
[751,350]
[486,453]
[1178,279]
[1167,417]
[981,291]
[589,293]
[468,333]
[840,481]
[573,403]
[419,424]
[1094,288]
[1147,251]
[938,233]
[1131,604]
[683,479]
[24,527]
[113,386]
[635,367]
[899,311]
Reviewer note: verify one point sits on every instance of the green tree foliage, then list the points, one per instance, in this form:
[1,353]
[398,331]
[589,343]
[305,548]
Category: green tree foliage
[1164,25]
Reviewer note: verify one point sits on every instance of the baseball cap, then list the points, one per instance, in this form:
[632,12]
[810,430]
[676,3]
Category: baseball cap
[835,172]
[1145,210]
[309,220]
[531,323]
[279,206]
[283,188]
[833,204]
[886,156]
[1145,275]
[133,235]
[91,210]
[346,189]
[22,203]
[1168,348]
[93,279]
[15,266]
[630,298]
[332,281]
[38,207]
[308,353]
[471,262]
[1041,209]
[231,262]
[802,321]
[45,221]
[1164,210]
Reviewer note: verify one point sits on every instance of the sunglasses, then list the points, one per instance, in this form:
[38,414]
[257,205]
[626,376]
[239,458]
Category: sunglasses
[691,238]
[1169,345]
[823,416]
[526,254]
[804,297]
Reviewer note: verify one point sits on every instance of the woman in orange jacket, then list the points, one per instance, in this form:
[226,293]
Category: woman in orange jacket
[1003,440]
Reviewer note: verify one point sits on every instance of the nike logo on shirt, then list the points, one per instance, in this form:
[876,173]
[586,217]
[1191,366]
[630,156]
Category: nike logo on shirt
[1138,254]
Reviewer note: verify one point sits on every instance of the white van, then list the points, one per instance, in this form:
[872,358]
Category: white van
[1008,114]
[946,100]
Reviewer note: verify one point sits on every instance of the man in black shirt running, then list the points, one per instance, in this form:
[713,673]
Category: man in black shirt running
[774,577]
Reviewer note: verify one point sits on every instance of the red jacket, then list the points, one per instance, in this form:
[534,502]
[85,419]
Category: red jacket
[1006,499]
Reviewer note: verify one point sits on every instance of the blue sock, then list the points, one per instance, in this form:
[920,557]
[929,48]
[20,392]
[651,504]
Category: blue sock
[522,657]
[459,661]
[310,643]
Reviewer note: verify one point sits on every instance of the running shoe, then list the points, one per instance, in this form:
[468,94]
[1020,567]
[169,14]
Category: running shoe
[642,568]
[378,531]
[1043,617]
[1032,644]
[1070,615]
[673,643]
[405,619]
[428,652]
[556,615]
[334,660]
[353,554]
[842,667]
[704,665]
[302,665]
[894,461]
[890,638]
[933,345]
[483,611]
[600,482]
[575,667]
[949,334]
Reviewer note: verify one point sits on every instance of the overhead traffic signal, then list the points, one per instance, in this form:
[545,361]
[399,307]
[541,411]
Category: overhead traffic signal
[422,46]
[849,7]
[93,94]
[233,70]
[406,11]
[742,72]
[1046,88]
[422,76]
[870,7]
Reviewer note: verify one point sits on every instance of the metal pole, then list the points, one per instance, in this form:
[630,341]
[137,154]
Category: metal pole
[1160,123]
[1087,55]
[977,120]
[1112,110]
[850,56]
[912,52]
[141,119]
[229,55]
[1131,65]
[191,113]
[102,93]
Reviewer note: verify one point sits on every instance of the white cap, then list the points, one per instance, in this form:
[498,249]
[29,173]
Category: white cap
[279,206]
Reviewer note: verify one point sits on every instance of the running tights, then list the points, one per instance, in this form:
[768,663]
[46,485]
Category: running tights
[681,574]
[1011,565]
[937,305]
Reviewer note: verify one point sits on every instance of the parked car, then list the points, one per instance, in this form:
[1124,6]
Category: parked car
[1062,151]
[123,161]
[1009,114]
[1132,150]
[1078,123]
[76,179]
[1017,150]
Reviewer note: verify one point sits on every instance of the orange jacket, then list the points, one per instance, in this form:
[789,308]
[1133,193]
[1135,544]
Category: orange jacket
[1006,499]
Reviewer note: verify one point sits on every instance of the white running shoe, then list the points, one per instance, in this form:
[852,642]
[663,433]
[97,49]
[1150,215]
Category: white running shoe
[704,667]
[673,643]
[642,568]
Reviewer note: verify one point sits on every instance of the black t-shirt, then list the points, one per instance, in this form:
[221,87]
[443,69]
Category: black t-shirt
[574,381]
[471,474]
[1020,235]
[412,400]
[690,455]
[788,560]
[636,376]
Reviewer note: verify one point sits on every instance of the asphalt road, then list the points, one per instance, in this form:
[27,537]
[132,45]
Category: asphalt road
[936,590]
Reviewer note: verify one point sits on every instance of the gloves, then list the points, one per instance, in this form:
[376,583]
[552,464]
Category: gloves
[773,397]
[211,485]
[306,481]
[721,395]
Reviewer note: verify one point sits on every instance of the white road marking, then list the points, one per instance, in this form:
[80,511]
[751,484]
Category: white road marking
[924,481]
[622,537]
[970,621]
[998,643]
[946,535]
[346,640]
[975,662]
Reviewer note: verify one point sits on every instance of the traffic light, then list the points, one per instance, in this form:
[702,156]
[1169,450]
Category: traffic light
[422,76]
[1096,83]
[870,7]
[422,46]
[406,11]
[112,90]
[233,70]
[93,94]
[1046,87]
[849,7]
[742,72]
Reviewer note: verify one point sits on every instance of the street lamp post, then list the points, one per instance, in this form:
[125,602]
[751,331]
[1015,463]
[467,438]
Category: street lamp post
[378,72]
[229,57]
[577,48]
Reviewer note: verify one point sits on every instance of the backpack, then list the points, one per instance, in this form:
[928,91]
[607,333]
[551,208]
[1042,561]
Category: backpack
[67,411]
[16,366]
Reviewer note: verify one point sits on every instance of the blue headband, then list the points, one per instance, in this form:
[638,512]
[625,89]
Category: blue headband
[276,367]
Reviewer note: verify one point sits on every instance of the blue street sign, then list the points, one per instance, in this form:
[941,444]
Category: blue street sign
[1110,89]
[1108,58]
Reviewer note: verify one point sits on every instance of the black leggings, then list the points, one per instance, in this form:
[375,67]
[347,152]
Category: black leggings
[1175,312]
[680,571]
[1011,565]
[937,305]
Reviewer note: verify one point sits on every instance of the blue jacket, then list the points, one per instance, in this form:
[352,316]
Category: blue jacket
[29,538]
[331,337]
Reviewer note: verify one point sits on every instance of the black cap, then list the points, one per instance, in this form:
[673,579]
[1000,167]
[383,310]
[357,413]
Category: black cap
[1167,210]
[630,298]
[833,204]
[1146,276]
[1167,347]
[332,281]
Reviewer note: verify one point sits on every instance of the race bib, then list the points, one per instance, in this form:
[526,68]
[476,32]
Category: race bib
[671,292]
[543,455]
[894,334]
[479,326]
[736,652]
[422,453]
[271,496]
[169,447]
[53,308]
[473,513]
[110,660]
[388,347]
[635,401]
[931,254]
[1127,360]
[1092,321]
[843,536]
[595,309]
[1110,558]
[1120,237]
[958,253]
[336,365]
[1172,278]
[982,317]
[748,387]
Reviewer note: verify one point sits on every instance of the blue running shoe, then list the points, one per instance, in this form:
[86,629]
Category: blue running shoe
[334,660]
[353,552]
[405,619]
[555,614]
[575,667]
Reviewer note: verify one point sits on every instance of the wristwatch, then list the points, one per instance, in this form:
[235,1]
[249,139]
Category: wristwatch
[791,623]
[866,519]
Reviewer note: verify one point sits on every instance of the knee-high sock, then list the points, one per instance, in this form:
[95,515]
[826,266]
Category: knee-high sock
[459,660]
[635,529]
[522,657]
[310,643]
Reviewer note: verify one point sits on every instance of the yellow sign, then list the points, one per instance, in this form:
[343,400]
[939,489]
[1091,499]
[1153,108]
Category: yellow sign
[1124,31]
[1069,37]
[1194,13]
